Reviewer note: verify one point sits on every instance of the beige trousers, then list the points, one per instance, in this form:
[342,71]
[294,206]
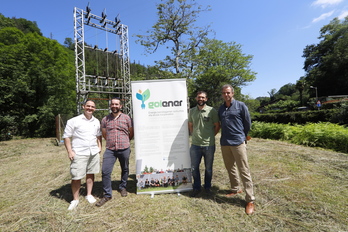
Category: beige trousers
[236,162]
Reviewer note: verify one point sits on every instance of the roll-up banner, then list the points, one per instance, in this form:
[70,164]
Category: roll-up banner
[160,115]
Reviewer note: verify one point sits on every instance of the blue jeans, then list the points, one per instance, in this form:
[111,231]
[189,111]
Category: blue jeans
[109,159]
[196,153]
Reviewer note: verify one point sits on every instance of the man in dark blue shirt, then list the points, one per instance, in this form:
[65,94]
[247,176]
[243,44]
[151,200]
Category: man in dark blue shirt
[235,125]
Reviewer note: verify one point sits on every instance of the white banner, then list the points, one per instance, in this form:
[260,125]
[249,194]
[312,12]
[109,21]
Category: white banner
[160,115]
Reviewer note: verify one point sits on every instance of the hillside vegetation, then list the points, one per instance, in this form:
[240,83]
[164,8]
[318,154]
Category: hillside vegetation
[297,188]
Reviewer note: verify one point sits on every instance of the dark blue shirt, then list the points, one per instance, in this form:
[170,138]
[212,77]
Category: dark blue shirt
[235,123]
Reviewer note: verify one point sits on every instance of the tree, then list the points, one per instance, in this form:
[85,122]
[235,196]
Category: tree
[272,94]
[252,104]
[13,85]
[24,25]
[326,62]
[300,85]
[175,24]
[69,43]
[263,100]
[286,91]
[51,74]
[218,63]
[140,72]
[37,82]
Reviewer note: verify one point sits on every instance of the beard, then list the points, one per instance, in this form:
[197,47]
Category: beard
[115,110]
[201,103]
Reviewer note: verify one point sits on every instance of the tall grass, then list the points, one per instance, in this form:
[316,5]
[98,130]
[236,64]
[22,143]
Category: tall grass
[325,135]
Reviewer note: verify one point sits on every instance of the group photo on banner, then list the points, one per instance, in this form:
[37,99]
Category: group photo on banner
[161,136]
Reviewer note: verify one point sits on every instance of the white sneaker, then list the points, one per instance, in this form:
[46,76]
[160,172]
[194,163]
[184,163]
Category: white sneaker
[90,199]
[73,204]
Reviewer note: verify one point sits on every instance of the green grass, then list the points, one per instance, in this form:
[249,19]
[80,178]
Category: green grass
[323,134]
[297,188]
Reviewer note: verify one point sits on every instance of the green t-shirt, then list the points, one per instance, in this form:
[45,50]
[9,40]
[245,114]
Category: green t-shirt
[203,125]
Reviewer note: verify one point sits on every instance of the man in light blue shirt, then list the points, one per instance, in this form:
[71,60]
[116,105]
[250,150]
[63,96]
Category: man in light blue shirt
[235,125]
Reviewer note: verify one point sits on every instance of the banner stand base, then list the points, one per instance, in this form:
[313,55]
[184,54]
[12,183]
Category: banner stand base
[153,195]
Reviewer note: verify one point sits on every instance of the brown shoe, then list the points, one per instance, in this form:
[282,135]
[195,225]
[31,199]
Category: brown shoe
[249,208]
[232,194]
[103,201]
[123,192]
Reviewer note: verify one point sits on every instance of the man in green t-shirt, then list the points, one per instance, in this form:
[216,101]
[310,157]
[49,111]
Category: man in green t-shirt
[203,126]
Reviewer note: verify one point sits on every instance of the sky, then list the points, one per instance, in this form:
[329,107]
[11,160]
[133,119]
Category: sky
[274,32]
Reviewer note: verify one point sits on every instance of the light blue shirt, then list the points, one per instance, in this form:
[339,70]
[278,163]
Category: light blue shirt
[235,123]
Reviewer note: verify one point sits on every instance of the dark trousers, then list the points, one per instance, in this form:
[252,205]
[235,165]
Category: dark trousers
[109,159]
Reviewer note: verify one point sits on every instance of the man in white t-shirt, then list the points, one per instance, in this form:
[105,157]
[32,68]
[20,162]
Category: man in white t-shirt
[83,141]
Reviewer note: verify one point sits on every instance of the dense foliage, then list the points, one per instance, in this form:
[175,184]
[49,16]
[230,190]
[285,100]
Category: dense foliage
[22,24]
[37,81]
[282,106]
[325,135]
[218,63]
[335,115]
[326,62]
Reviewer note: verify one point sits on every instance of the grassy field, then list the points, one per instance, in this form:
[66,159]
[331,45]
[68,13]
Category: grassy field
[297,189]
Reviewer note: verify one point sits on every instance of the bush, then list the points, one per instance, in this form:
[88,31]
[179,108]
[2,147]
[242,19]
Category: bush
[269,130]
[302,117]
[282,106]
[325,135]
[7,125]
[341,115]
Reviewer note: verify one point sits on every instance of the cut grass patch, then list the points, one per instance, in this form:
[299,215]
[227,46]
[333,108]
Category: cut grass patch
[297,188]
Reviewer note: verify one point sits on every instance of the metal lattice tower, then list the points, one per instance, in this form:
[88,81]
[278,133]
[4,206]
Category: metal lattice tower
[95,84]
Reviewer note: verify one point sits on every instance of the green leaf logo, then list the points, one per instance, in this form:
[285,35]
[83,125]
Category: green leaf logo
[143,96]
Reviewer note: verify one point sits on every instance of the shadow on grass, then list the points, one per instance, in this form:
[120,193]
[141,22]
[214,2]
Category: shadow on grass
[237,200]
[219,196]
[64,192]
[216,194]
